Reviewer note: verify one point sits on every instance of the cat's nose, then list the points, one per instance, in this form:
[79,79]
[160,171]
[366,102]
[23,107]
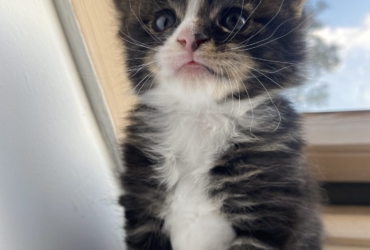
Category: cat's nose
[199,40]
[190,41]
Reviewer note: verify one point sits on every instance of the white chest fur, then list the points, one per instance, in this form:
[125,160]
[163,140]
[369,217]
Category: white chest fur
[192,219]
[192,138]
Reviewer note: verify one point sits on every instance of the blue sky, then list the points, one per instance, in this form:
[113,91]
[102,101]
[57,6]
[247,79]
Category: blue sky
[344,12]
[347,24]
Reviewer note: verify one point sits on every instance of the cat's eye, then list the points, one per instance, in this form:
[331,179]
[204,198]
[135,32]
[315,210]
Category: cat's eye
[164,21]
[233,19]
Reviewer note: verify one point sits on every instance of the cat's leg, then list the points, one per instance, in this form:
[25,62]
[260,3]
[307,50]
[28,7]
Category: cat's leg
[144,231]
[144,197]
[269,207]
[312,237]
[263,225]
[306,237]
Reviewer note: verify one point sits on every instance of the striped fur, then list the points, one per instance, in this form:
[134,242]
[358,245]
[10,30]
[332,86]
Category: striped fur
[210,167]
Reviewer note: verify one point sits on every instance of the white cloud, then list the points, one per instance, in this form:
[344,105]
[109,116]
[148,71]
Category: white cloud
[348,38]
[349,87]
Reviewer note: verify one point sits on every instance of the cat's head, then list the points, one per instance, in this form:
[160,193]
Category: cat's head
[224,48]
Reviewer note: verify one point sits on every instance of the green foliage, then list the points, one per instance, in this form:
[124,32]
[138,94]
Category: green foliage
[323,58]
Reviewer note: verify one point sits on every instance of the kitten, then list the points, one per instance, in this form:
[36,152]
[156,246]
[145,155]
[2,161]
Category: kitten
[213,153]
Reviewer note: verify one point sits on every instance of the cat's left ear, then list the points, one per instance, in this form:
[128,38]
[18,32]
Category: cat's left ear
[298,6]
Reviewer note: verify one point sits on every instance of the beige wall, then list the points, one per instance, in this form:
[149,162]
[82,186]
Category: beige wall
[57,189]
[97,21]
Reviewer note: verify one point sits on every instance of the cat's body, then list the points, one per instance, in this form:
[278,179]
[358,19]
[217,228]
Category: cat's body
[212,161]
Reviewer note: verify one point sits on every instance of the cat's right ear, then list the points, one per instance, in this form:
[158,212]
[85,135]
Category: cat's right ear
[118,4]
[124,5]
[298,6]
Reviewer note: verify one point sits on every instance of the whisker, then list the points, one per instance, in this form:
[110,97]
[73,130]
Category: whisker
[257,46]
[143,25]
[142,81]
[136,43]
[232,69]
[247,18]
[245,44]
[252,109]
[135,58]
[265,76]
[272,19]
[136,50]
[158,39]
[267,60]
[250,103]
[129,34]
[151,84]
[273,103]
[241,13]
[232,94]
[138,68]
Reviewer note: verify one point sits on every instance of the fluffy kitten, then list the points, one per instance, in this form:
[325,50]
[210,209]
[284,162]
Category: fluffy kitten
[213,154]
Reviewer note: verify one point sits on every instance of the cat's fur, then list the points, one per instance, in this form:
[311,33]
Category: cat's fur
[214,159]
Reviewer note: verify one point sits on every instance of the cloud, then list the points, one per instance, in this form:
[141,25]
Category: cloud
[349,87]
[348,38]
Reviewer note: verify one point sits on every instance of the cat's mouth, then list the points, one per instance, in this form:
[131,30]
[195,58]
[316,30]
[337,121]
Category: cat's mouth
[195,67]
[192,65]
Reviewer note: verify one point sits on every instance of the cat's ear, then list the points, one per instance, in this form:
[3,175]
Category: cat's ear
[298,6]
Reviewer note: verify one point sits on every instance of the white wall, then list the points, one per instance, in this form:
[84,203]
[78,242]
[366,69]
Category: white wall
[56,189]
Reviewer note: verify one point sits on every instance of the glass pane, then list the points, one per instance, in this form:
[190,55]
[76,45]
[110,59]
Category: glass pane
[340,52]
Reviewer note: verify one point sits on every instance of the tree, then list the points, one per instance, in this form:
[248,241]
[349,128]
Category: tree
[323,58]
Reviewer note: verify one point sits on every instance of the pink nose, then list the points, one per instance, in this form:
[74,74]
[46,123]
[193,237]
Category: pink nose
[190,41]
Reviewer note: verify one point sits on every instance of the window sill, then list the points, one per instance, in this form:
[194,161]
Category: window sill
[339,145]
[347,228]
